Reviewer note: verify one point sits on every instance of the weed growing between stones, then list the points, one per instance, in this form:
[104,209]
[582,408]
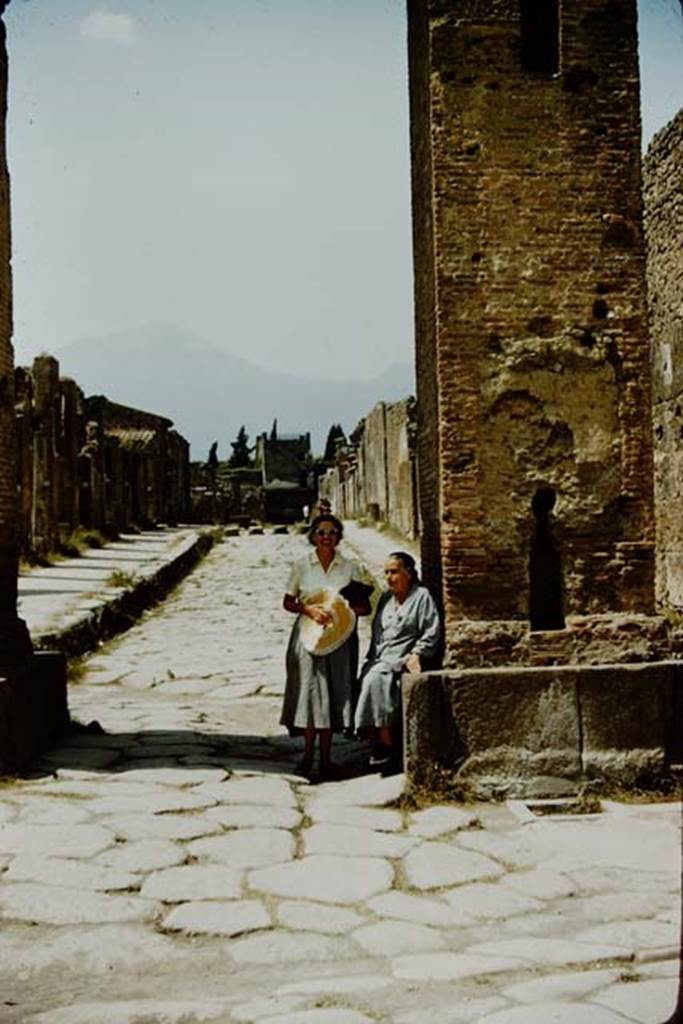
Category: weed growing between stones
[76,670]
[80,540]
[434,784]
[629,975]
[120,578]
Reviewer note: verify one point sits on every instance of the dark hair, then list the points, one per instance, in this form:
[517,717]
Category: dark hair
[408,564]
[325,517]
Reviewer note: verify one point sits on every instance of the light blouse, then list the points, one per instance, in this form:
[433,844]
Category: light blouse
[398,630]
[307,575]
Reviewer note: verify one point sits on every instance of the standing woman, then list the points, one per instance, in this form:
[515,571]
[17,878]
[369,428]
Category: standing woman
[406,632]
[318,692]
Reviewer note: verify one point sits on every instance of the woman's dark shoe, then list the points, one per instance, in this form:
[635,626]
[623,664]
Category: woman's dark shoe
[305,768]
[330,772]
[393,766]
[379,755]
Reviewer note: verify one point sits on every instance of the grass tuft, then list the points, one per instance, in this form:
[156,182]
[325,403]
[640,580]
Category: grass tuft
[120,578]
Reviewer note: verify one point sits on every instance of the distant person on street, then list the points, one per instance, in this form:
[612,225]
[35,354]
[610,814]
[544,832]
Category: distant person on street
[320,675]
[406,634]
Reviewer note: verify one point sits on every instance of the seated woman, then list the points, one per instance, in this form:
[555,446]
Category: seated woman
[406,632]
[319,689]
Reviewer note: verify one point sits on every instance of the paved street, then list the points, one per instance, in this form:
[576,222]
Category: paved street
[174,868]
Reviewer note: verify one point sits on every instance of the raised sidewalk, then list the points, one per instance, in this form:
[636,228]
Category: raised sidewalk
[76,602]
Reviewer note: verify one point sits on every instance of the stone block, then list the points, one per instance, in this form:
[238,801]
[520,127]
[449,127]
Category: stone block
[502,727]
[628,719]
[500,721]
[33,708]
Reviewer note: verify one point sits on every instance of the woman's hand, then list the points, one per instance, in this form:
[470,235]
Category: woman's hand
[318,613]
[412,663]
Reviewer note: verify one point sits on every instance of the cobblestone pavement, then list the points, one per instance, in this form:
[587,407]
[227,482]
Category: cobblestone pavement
[176,869]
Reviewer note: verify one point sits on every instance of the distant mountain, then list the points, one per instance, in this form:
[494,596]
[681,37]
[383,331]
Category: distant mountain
[209,393]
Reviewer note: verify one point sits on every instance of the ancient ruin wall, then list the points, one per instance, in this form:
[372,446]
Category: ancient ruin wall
[400,434]
[8,493]
[541,350]
[663,191]
[372,458]
[91,463]
[378,478]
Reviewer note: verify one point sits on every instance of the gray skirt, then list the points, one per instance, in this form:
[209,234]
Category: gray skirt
[379,700]
[319,691]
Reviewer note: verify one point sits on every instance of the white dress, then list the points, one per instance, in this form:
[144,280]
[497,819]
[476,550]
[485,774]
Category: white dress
[319,690]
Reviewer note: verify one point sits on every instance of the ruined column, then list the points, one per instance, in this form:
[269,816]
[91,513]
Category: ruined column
[532,338]
[46,468]
[33,705]
[14,639]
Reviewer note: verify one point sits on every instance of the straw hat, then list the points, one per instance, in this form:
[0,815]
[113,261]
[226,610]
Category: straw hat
[321,640]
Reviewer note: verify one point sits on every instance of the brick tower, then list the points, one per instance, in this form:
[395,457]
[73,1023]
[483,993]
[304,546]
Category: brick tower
[532,344]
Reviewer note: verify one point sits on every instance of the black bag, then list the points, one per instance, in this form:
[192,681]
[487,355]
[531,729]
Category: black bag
[357,593]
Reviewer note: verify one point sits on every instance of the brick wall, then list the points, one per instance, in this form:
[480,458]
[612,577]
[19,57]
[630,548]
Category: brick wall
[663,189]
[534,377]
[376,477]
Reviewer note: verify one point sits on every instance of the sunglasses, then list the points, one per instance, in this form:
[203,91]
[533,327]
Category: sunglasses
[327,533]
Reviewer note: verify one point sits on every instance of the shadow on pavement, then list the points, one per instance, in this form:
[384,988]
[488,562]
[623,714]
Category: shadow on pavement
[89,749]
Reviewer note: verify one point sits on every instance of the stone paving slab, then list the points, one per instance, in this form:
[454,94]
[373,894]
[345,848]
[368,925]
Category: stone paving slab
[330,812]
[571,985]
[435,865]
[481,902]
[72,874]
[451,966]
[301,915]
[165,826]
[142,855]
[391,938]
[355,842]
[193,882]
[643,1001]
[217,917]
[439,821]
[418,909]
[328,879]
[253,815]
[245,848]
[52,904]
[56,840]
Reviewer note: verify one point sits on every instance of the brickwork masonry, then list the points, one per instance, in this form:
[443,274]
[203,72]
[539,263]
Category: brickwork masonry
[663,192]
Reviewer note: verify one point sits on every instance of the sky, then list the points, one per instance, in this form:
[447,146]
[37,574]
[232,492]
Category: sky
[239,168]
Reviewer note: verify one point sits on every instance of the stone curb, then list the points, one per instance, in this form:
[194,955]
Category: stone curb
[119,612]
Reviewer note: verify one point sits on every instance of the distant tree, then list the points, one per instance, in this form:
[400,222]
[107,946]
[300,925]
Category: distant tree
[241,451]
[334,434]
[212,461]
[273,432]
